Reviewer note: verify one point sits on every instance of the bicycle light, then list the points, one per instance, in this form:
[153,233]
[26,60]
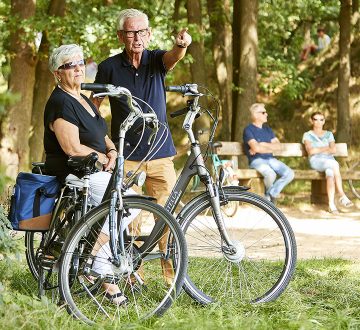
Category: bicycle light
[140,178]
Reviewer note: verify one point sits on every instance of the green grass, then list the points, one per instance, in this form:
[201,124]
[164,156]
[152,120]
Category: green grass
[324,294]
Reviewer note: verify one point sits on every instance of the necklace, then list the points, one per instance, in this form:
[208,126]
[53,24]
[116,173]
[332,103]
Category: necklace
[71,94]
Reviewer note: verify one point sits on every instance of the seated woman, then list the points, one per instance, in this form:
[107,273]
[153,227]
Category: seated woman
[320,146]
[74,127]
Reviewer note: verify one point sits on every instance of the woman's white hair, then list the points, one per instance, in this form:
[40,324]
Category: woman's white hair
[61,54]
[130,13]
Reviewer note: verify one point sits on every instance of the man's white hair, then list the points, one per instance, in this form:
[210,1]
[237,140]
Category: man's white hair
[256,107]
[130,13]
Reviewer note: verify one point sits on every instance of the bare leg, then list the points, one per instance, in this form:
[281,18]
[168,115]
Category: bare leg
[110,289]
[338,181]
[330,188]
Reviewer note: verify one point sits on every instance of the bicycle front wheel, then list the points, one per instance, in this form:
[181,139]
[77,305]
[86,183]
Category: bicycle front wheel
[150,278]
[264,259]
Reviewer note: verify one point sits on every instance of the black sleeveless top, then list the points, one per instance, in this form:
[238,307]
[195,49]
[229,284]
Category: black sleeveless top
[92,130]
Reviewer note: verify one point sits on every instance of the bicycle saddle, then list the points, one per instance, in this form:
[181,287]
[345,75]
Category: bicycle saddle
[81,163]
[38,167]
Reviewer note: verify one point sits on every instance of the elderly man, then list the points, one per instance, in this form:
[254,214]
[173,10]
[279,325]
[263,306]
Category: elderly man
[260,143]
[143,72]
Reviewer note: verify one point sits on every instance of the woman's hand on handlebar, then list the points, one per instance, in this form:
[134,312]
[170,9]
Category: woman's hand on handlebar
[111,160]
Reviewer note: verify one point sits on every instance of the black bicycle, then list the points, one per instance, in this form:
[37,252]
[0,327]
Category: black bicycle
[132,261]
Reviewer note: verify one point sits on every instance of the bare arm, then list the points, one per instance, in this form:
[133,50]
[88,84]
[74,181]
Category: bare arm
[331,149]
[111,154]
[264,147]
[68,136]
[174,55]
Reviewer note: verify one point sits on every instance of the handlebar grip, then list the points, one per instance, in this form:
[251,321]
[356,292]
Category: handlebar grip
[178,113]
[180,89]
[95,87]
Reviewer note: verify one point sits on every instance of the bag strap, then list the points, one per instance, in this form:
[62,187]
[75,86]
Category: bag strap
[38,193]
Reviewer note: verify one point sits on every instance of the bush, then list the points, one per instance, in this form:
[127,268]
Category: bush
[7,244]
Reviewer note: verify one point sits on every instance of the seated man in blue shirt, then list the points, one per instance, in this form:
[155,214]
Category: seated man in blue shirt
[143,72]
[260,142]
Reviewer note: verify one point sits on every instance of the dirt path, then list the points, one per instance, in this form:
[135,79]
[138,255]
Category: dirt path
[320,234]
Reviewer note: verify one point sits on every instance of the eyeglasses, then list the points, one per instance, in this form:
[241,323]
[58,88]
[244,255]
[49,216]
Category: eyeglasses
[71,65]
[132,34]
[318,119]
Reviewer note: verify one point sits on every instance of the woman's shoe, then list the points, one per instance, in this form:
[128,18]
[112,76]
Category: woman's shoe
[344,201]
[118,298]
[333,210]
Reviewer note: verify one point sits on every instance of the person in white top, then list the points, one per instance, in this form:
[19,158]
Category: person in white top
[320,147]
[323,42]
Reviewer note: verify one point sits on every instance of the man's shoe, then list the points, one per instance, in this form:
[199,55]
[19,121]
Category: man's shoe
[273,200]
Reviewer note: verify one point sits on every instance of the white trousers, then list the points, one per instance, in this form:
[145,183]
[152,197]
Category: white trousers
[98,185]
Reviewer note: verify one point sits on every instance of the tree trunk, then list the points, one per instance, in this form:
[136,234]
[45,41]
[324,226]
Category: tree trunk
[247,63]
[355,6]
[221,45]
[197,68]
[44,84]
[14,145]
[356,15]
[307,34]
[343,102]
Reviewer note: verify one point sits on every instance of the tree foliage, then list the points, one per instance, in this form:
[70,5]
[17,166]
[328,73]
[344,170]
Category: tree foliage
[282,28]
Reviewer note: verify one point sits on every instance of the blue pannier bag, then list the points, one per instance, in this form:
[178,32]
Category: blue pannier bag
[32,201]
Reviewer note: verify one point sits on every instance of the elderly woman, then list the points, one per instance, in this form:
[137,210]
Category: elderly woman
[320,146]
[74,127]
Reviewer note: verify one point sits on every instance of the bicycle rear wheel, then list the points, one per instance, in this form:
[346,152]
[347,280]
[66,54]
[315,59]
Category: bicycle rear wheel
[355,184]
[265,255]
[32,244]
[34,241]
[231,207]
[139,276]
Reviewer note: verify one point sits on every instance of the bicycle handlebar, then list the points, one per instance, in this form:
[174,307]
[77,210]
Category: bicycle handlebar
[95,87]
[187,89]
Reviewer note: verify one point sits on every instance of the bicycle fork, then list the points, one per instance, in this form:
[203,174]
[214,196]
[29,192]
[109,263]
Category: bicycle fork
[214,199]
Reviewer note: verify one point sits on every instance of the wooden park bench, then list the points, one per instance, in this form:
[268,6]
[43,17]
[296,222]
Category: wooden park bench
[252,178]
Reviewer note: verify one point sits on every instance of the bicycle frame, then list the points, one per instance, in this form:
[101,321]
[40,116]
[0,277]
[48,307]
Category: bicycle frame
[195,164]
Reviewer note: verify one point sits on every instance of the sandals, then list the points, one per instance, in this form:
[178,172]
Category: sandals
[344,201]
[115,298]
[333,210]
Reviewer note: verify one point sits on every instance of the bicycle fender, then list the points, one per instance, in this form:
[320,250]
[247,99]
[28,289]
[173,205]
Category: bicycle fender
[205,195]
[149,198]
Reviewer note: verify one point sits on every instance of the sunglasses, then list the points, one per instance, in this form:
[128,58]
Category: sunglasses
[318,119]
[71,65]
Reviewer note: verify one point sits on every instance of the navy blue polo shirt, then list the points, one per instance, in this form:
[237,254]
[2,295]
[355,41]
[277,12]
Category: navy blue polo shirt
[263,134]
[147,83]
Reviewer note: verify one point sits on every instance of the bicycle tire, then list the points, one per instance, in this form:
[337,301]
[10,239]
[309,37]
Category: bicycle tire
[355,188]
[153,298]
[266,247]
